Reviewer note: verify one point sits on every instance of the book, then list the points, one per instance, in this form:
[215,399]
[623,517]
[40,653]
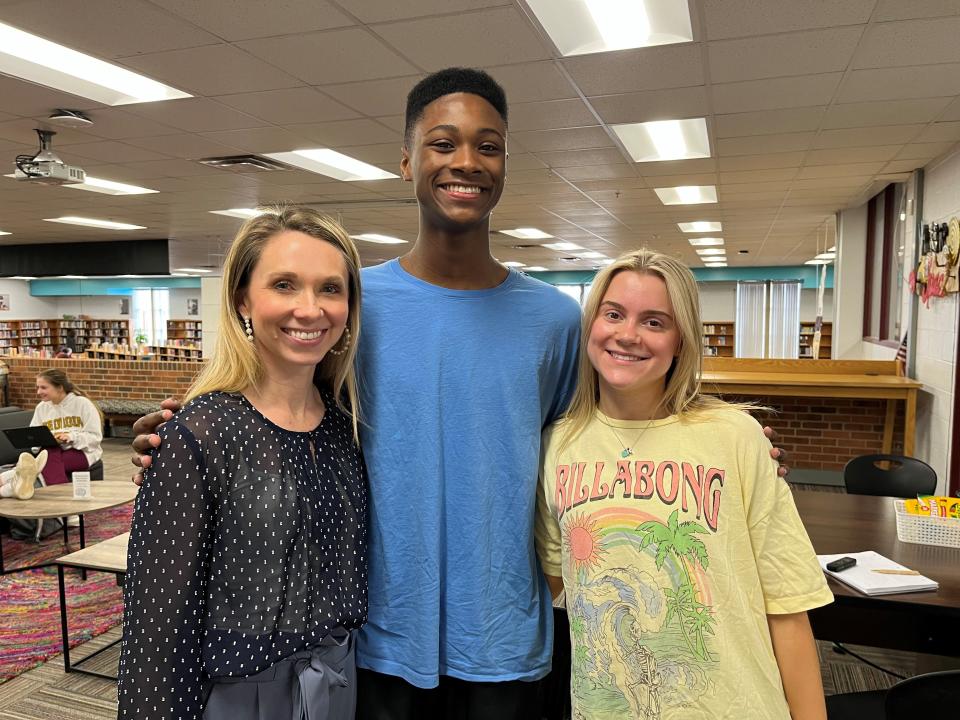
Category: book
[861,577]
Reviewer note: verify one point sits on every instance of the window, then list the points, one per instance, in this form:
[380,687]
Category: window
[768,319]
[151,310]
[884,267]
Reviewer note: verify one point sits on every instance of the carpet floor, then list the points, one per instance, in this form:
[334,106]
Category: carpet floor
[30,632]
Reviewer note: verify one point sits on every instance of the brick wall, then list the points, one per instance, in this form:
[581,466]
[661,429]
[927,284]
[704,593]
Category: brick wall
[103,379]
[824,433]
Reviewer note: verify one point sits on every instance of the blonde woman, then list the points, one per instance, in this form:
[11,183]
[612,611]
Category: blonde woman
[247,564]
[686,568]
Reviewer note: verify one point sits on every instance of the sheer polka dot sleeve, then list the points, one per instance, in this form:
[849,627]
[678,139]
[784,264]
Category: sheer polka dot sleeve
[166,584]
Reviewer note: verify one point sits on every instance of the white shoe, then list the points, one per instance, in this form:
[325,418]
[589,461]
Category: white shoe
[24,476]
[73,521]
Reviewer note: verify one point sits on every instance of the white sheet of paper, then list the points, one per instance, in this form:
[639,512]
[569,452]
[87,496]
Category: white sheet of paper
[81,486]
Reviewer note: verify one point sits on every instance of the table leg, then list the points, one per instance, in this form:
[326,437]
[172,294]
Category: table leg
[66,535]
[910,424]
[888,424]
[83,544]
[63,620]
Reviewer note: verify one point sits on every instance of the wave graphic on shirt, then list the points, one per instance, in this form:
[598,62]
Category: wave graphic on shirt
[642,632]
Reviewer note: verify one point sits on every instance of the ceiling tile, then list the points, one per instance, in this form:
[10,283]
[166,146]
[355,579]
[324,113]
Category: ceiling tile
[293,105]
[923,151]
[775,93]
[761,162]
[532,82]
[740,18]
[375,97]
[346,132]
[940,132]
[825,171]
[106,28]
[260,140]
[240,20]
[335,56]
[951,113]
[185,146]
[674,104]
[114,152]
[211,70]
[464,39]
[800,53]
[373,11]
[755,176]
[628,71]
[768,122]
[596,172]
[909,42]
[112,123]
[900,10]
[656,170]
[571,139]
[921,81]
[195,115]
[788,142]
[863,137]
[839,156]
[28,100]
[903,165]
[550,114]
[886,112]
[578,158]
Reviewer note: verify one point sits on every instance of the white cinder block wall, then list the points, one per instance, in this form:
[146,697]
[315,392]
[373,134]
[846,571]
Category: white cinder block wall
[936,332]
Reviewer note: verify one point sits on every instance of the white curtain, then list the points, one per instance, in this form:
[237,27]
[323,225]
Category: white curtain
[783,336]
[751,320]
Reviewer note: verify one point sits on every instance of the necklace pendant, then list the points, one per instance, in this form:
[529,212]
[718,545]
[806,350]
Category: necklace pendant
[627,452]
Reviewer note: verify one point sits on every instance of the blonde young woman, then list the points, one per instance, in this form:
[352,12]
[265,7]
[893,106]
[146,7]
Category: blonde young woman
[247,564]
[686,568]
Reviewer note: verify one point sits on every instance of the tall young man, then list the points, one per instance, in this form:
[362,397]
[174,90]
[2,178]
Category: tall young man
[462,363]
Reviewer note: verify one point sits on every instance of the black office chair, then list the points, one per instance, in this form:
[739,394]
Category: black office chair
[904,477]
[925,696]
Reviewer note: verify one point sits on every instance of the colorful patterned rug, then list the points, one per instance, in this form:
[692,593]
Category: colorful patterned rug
[29,601]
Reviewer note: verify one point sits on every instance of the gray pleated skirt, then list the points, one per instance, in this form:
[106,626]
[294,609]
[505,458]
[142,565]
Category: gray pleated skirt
[319,683]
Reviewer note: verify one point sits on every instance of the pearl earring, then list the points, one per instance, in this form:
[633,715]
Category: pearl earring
[346,343]
[248,327]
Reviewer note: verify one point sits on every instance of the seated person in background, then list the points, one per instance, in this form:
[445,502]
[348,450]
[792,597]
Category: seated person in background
[75,422]
[247,565]
[688,573]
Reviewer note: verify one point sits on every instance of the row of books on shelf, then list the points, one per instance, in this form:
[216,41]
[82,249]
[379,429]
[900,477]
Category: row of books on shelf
[719,339]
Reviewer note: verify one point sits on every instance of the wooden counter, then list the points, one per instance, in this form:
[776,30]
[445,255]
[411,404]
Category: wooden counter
[820,378]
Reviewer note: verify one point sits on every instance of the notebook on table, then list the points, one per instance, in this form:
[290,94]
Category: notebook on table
[31,437]
[862,577]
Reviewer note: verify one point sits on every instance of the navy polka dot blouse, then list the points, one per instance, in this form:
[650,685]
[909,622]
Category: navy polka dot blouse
[248,544]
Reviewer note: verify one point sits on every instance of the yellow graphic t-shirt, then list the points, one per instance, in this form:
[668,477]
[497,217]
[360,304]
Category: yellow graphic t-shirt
[673,549]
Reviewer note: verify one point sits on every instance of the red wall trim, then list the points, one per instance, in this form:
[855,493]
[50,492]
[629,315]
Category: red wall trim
[889,220]
[868,268]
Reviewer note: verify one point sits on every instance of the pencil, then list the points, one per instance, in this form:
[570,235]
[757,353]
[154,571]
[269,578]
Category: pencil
[897,572]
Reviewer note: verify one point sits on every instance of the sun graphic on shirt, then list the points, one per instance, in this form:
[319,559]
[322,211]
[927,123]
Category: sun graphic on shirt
[582,536]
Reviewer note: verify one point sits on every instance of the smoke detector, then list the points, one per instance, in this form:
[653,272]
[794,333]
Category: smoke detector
[69,118]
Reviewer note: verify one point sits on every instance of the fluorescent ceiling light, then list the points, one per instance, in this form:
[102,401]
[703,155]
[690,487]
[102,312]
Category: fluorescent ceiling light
[194,270]
[536,268]
[21,277]
[5,233]
[687,194]
[109,187]
[527,234]
[699,226]
[377,238]
[332,164]
[705,242]
[826,256]
[590,255]
[578,27]
[715,264]
[74,277]
[40,61]
[243,213]
[832,249]
[665,139]
[93,222]
[514,264]
[563,246]
[815,261]
[711,251]
[605,261]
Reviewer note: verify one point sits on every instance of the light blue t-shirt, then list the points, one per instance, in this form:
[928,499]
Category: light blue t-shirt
[456,386]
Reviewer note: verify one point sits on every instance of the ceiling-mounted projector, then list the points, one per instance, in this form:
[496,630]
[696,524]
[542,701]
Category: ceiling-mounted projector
[46,167]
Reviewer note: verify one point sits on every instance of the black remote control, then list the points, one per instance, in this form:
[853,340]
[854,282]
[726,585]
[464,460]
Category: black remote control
[841,564]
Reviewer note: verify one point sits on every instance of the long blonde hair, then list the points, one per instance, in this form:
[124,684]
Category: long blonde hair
[682,394]
[235,364]
[58,378]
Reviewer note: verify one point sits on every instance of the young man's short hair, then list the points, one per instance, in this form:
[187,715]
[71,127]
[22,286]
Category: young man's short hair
[447,82]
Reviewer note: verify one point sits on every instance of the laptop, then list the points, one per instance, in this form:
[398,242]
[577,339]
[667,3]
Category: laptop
[31,437]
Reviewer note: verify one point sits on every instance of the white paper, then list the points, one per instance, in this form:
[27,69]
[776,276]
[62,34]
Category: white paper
[861,576]
[81,486]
